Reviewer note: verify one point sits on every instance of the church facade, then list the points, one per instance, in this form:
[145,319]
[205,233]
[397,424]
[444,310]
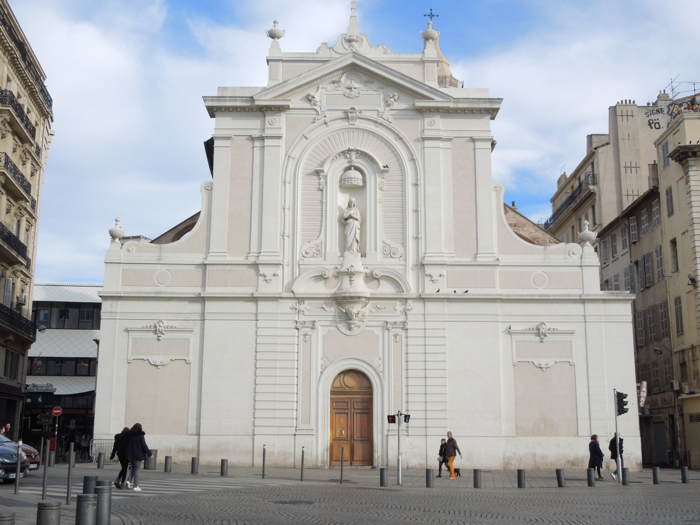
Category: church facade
[352,259]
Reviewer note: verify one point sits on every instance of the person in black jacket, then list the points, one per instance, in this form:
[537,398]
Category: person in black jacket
[442,458]
[136,452]
[595,455]
[613,455]
[119,450]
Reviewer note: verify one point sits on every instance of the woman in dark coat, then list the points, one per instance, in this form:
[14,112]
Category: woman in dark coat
[595,458]
[119,450]
[136,452]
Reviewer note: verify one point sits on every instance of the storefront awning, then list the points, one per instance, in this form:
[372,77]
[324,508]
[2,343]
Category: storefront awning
[67,385]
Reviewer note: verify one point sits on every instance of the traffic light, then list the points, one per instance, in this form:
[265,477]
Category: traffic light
[391,418]
[406,418]
[621,403]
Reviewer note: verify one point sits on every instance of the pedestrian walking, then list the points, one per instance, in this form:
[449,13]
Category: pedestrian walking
[85,447]
[136,452]
[595,457]
[619,463]
[119,449]
[451,451]
[442,458]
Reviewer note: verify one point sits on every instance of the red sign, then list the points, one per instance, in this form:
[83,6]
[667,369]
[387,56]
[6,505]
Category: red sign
[56,411]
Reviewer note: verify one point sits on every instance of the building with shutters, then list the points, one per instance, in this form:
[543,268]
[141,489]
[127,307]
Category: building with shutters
[25,132]
[62,364]
[614,172]
[353,258]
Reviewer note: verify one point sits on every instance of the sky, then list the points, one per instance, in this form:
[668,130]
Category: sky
[127,77]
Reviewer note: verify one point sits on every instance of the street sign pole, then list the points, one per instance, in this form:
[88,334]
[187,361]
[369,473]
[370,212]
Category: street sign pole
[398,448]
[617,440]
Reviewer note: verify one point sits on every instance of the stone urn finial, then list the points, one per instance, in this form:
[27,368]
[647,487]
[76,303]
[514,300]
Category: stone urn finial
[275,32]
[586,236]
[116,232]
[430,33]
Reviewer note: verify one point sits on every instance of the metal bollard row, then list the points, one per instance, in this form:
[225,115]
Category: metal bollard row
[477,478]
[48,513]
[168,466]
[194,469]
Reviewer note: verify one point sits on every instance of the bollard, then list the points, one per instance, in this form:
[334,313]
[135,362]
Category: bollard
[44,478]
[684,474]
[383,478]
[224,467]
[168,464]
[302,465]
[561,482]
[18,466]
[428,478]
[151,461]
[52,458]
[7,518]
[86,509]
[89,484]
[477,478]
[655,475]
[48,513]
[69,479]
[342,450]
[263,465]
[102,483]
[625,476]
[590,477]
[521,478]
[194,469]
[104,505]
[101,460]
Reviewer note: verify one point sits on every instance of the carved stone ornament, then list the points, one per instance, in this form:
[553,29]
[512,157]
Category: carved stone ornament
[540,330]
[159,328]
[352,114]
[353,312]
[392,250]
[315,100]
[5,128]
[312,249]
[435,277]
[300,307]
[390,101]
[268,276]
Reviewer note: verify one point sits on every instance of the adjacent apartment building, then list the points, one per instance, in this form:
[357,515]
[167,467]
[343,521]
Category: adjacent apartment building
[613,173]
[25,130]
[63,361]
[679,185]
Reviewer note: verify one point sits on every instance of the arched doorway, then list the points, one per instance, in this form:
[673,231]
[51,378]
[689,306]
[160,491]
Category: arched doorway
[351,418]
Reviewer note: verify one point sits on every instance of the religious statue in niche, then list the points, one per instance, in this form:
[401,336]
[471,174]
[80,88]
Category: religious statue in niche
[351,221]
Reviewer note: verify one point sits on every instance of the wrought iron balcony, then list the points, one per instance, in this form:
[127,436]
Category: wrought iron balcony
[25,56]
[7,98]
[18,322]
[573,197]
[11,240]
[14,172]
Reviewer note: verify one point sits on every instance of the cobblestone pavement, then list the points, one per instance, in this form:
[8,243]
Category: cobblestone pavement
[243,497]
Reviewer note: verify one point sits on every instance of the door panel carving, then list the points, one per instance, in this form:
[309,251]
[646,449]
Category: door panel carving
[351,419]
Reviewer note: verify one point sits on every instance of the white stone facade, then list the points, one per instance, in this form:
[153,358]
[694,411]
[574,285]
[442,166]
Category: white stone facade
[230,337]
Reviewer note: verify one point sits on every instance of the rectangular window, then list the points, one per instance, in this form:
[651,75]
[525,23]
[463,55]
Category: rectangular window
[613,245]
[639,328]
[669,201]
[659,264]
[678,307]
[633,229]
[648,270]
[68,367]
[674,255]
[664,154]
[12,365]
[624,239]
[655,212]
[638,277]
[604,251]
[626,281]
[83,367]
[663,319]
[594,219]
[53,367]
[643,221]
[37,366]
[616,282]
[651,324]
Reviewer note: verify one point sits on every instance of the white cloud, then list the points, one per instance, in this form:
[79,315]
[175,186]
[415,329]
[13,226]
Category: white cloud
[129,118]
[558,81]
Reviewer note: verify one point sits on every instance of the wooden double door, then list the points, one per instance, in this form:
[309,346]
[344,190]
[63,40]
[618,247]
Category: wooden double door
[351,419]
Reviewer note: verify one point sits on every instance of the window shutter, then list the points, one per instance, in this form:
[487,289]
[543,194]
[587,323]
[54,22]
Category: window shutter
[7,292]
[633,229]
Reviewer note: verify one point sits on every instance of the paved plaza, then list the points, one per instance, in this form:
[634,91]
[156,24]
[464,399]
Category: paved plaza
[244,497]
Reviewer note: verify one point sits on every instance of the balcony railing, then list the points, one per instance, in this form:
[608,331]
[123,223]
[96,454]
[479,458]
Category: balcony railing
[11,168]
[13,241]
[26,59]
[573,197]
[7,98]
[17,321]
